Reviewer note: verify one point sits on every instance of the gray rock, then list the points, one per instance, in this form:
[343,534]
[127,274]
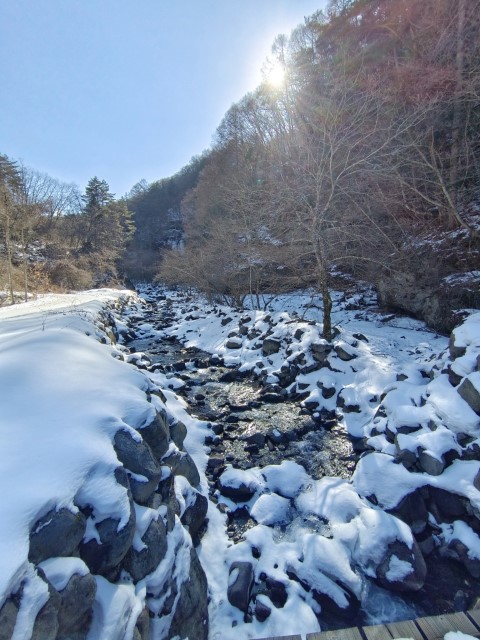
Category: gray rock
[262,612]
[255,438]
[272,397]
[414,580]
[446,506]
[311,405]
[453,377]
[142,626]
[240,493]
[456,351]
[460,552]
[165,495]
[190,619]
[419,293]
[233,344]
[215,463]
[332,613]
[344,354]
[276,591]
[348,407]
[57,534]
[240,585]
[320,351]
[407,458]
[234,375]
[298,334]
[270,346]
[75,612]
[327,392]
[431,465]
[275,436]
[287,375]
[157,434]
[138,458]
[8,618]
[141,563]
[178,433]
[182,464]
[413,511]
[194,515]
[105,558]
[470,393]
[45,626]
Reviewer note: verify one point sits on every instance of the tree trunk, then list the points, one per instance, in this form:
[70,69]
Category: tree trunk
[25,265]
[457,104]
[8,247]
[327,310]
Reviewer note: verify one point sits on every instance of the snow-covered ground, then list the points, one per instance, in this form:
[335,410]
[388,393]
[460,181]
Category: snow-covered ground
[65,391]
[63,396]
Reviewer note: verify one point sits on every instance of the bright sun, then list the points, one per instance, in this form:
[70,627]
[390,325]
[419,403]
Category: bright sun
[275,74]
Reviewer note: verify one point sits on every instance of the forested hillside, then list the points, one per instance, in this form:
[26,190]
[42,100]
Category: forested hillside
[358,156]
[364,159]
[53,236]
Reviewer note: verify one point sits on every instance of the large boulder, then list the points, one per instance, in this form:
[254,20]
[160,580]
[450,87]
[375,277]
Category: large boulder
[141,563]
[8,618]
[58,533]
[320,351]
[469,390]
[240,492]
[190,619]
[105,558]
[75,612]
[138,458]
[194,515]
[423,293]
[45,626]
[447,506]
[157,435]
[270,346]
[240,583]
[178,433]
[413,511]
[402,568]
[182,464]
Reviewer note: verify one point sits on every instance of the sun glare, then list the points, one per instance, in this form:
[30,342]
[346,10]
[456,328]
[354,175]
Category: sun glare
[275,75]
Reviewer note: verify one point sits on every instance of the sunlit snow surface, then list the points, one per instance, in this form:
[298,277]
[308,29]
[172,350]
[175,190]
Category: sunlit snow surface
[63,396]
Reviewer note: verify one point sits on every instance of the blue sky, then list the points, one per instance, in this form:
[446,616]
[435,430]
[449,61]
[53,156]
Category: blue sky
[128,89]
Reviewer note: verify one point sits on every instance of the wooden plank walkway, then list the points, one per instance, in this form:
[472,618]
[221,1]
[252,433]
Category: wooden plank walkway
[430,628]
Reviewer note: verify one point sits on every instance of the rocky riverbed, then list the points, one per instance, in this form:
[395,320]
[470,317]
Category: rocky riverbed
[257,420]
[203,471]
